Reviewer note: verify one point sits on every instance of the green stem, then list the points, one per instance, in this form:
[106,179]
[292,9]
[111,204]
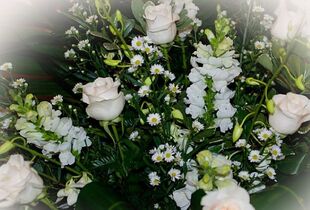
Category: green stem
[289,72]
[119,147]
[166,56]
[246,117]
[246,31]
[48,203]
[184,60]
[35,153]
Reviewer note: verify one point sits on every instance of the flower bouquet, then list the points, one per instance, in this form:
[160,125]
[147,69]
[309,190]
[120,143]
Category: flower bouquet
[169,111]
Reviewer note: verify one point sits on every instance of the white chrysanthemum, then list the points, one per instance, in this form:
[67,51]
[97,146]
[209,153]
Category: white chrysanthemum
[157,69]
[134,135]
[78,87]
[57,99]
[270,172]
[264,134]
[240,143]
[6,67]
[137,43]
[21,82]
[275,152]
[70,54]
[72,31]
[259,45]
[169,75]
[175,174]
[168,155]
[148,49]
[157,157]
[144,91]
[153,119]
[83,44]
[174,88]
[137,60]
[154,179]
[254,156]
[244,175]
[92,19]
[197,126]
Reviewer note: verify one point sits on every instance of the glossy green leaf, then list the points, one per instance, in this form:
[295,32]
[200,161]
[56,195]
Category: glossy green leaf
[265,61]
[293,165]
[196,199]
[96,196]
[137,11]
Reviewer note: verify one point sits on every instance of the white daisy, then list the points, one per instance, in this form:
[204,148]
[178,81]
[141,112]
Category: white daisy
[197,126]
[153,119]
[175,174]
[168,155]
[134,135]
[157,69]
[157,157]
[270,172]
[57,99]
[259,45]
[6,67]
[174,88]
[275,152]
[148,49]
[137,43]
[254,156]
[137,60]
[244,175]
[240,143]
[264,134]
[78,88]
[154,179]
[144,91]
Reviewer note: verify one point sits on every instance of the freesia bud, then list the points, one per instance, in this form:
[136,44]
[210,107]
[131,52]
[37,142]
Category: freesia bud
[205,183]
[7,146]
[148,81]
[251,81]
[177,114]
[28,100]
[237,132]
[270,106]
[111,62]
[299,83]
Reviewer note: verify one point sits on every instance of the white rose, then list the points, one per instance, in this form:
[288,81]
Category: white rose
[160,19]
[291,110]
[19,183]
[233,197]
[103,99]
[288,22]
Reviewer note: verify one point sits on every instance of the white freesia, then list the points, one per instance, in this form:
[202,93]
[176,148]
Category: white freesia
[233,197]
[161,26]
[19,183]
[291,110]
[103,99]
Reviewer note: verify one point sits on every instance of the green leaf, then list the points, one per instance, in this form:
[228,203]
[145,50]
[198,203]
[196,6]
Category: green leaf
[277,197]
[103,34]
[138,11]
[265,61]
[129,26]
[293,165]
[96,196]
[196,199]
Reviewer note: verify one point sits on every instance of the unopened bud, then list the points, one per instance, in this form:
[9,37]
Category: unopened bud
[237,132]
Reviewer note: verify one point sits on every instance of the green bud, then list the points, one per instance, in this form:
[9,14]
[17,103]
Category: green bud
[148,81]
[282,52]
[177,114]
[205,183]
[223,170]
[270,106]
[112,30]
[119,16]
[204,158]
[237,132]
[44,109]
[251,81]
[110,62]
[28,100]
[15,107]
[7,146]
[299,83]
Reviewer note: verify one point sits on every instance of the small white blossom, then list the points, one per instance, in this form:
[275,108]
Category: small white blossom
[137,43]
[72,31]
[169,75]
[137,60]
[259,45]
[275,152]
[157,157]
[244,175]
[168,155]
[134,135]
[128,97]
[157,69]
[69,54]
[241,143]
[21,82]
[154,179]
[83,44]
[264,134]
[148,49]
[258,9]
[153,119]
[254,156]
[174,88]
[144,91]
[78,87]
[57,99]
[270,172]
[131,69]
[197,126]
[92,19]
[175,174]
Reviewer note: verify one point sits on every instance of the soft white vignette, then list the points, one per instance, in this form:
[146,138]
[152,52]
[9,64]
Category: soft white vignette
[12,13]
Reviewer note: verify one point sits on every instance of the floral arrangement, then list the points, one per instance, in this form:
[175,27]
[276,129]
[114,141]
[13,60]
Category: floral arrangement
[167,113]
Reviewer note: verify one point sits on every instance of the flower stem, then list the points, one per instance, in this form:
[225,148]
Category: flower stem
[48,203]
[184,56]
[35,153]
[119,147]
[166,56]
